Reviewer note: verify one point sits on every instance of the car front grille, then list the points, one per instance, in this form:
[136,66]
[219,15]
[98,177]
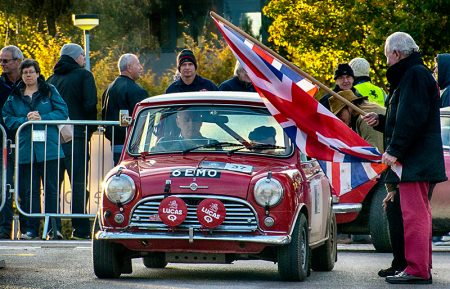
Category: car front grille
[240,216]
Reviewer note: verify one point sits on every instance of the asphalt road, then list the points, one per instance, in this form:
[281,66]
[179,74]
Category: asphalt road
[67,264]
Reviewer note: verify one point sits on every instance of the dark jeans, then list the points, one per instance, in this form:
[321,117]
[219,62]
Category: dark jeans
[30,192]
[395,220]
[77,161]
[6,215]
[117,152]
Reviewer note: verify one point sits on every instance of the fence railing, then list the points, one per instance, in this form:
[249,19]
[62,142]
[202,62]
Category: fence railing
[4,192]
[70,174]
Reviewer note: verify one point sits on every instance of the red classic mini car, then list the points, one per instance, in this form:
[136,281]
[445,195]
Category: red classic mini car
[211,177]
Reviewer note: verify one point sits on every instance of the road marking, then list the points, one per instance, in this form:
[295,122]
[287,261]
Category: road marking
[19,255]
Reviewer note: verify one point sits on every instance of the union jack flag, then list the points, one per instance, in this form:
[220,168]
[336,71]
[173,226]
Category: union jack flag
[346,158]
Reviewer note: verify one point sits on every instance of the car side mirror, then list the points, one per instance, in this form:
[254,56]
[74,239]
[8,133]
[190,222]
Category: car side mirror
[124,118]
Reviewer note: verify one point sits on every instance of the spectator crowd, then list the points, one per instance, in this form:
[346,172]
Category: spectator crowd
[71,93]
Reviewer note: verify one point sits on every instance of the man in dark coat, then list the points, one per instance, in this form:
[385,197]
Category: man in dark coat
[10,58]
[122,94]
[189,79]
[77,87]
[412,138]
[239,82]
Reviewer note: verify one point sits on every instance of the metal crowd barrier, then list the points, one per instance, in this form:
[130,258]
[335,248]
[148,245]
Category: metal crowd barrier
[100,162]
[4,193]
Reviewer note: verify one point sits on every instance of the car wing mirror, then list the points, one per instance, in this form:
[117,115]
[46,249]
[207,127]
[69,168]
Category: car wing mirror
[125,118]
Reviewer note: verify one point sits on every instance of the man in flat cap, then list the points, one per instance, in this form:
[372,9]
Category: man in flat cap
[189,79]
[351,118]
[77,87]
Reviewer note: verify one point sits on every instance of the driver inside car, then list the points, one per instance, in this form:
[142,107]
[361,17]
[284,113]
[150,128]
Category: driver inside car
[189,124]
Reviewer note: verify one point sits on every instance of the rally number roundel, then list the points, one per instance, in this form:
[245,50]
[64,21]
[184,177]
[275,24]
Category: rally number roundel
[172,211]
[211,213]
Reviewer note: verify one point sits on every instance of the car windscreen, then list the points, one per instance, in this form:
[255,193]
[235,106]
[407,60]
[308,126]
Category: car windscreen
[211,128]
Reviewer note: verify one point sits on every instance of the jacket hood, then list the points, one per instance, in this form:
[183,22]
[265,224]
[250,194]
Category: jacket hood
[65,65]
[443,62]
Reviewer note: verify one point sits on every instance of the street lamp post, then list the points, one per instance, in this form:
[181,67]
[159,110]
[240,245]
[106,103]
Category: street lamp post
[86,22]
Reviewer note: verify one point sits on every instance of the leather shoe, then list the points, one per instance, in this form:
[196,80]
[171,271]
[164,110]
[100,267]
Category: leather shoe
[405,278]
[389,272]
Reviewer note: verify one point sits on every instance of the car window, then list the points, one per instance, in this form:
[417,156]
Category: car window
[221,129]
[445,130]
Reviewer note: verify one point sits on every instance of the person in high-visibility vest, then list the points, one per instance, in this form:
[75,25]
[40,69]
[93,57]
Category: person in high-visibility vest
[361,70]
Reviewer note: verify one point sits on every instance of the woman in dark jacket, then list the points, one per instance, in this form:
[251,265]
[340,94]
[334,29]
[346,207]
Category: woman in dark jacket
[38,145]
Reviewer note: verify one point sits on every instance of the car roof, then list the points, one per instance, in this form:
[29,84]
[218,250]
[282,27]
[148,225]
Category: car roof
[205,96]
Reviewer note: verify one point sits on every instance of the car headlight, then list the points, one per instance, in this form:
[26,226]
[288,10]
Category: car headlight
[120,189]
[268,192]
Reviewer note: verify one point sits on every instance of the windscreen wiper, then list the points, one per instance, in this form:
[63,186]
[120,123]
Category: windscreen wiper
[258,146]
[215,145]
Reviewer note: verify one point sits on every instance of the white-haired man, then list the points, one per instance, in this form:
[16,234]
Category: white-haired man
[10,58]
[122,94]
[413,139]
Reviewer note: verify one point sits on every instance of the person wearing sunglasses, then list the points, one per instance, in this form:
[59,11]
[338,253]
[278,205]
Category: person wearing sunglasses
[10,58]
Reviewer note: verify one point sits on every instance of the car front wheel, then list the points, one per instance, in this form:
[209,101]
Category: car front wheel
[108,257]
[293,259]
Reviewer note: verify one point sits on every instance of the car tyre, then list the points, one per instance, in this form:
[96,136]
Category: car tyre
[324,257]
[107,257]
[155,260]
[378,223]
[293,259]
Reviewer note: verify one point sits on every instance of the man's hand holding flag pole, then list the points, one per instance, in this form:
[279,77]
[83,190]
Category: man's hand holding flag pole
[287,91]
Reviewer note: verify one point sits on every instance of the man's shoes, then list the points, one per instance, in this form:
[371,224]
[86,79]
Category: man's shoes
[58,236]
[405,278]
[4,236]
[29,236]
[388,272]
[80,237]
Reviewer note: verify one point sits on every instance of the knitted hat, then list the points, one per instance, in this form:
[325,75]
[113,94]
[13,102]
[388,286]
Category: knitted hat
[336,105]
[261,133]
[186,55]
[343,69]
[360,66]
[71,49]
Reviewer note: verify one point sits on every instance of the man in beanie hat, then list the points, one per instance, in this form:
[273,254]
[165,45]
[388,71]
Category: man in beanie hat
[122,94]
[344,78]
[77,87]
[361,70]
[189,79]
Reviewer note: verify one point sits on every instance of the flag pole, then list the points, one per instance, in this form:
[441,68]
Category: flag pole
[289,64]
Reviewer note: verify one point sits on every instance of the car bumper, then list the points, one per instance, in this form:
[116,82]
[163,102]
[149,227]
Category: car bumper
[343,208]
[272,240]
